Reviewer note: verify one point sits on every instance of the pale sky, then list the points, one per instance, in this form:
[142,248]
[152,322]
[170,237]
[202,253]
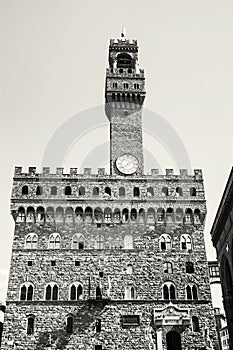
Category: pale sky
[53,60]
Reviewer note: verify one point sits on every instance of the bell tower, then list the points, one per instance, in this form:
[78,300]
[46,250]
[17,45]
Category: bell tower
[124,97]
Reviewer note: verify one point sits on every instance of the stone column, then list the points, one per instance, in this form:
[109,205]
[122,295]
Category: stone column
[159,339]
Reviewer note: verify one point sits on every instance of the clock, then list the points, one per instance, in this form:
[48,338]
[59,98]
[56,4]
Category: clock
[127,164]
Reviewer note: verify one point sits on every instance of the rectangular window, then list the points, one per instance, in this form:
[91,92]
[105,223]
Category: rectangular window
[53,263]
[101,274]
[77,263]
[130,320]
[29,263]
[98,347]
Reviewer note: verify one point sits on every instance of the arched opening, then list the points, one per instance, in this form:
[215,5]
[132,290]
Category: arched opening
[88,214]
[141,215]
[30,214]
[133,214]
[79,213]
[98,214]
[68,191]
[121,191]
[81,191]
[107,214]
[150,192]
[160,215]
[39,191]
[117,214]
[59,214]
[124,60]
[40,214]
[179,215]
[165,191]
[25,190]
[197,216]
[53,190]
[30,325]
[173,340]
[113,96]
[151,215]
[107,190]
[169,216]
[179,191]
[69,215]
[188,216]
[136,192]
[98,293]
[21,215]
[49,214]
[125,215]
[69,325]
[193,192]
[96,191]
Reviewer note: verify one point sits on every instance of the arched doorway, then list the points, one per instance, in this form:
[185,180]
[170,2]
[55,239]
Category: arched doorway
[173,341]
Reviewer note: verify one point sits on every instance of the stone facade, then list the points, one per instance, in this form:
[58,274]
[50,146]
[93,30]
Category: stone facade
[222,237]
[110,261]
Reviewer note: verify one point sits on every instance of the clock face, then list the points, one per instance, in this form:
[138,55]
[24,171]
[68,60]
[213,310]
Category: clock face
[127,164]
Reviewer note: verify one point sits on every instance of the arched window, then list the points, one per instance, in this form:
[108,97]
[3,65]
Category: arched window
[81,191]
[133,214]
[125,215]
[197,216]
[136,192]
[160,214]
[26,291]
[151,215]
[39,191]
[30,214]
[79,213]
[186,242]
[141,215]
[49,214]
[88,214]
[179,191]
[68,191]
[69,325]
[179,215]
[125,85]
[150,192]
[76,291]
[108,214]
[167,267]
[122,192]
[116,214]
[136,86]
[124,60]
[98,214]
[78,241]
[129,269]
[54,241]
[107,190]
[25,190]
[188,216]
[169,291]
[30,325]
[189,267]
[96,191]
[193,192]
[128,242]
[195,323]
[130,293]
[98,293]
[191,292]
[169,215]
[113,96]
[59,214]
[51,291]
[114,85]
[165,242]
[21,215]
[165,191]
[31,241]
[40,214]
[53,191]
[98,325]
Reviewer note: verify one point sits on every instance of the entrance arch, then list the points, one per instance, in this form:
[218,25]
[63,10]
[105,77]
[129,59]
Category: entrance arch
[173,341]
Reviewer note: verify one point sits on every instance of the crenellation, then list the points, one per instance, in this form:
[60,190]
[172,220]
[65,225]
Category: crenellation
[46,171]
[32,171]
[73,171]
[59,171]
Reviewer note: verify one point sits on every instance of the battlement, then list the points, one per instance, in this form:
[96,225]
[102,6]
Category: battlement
[130,44]
[123,73]
[169,173]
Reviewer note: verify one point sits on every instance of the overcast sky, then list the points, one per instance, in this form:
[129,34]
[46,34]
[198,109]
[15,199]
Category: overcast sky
[53,60]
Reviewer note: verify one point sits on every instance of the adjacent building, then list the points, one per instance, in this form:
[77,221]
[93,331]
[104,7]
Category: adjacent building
[110,261]
[222,237]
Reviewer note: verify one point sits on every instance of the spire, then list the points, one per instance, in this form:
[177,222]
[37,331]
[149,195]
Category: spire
[123,32]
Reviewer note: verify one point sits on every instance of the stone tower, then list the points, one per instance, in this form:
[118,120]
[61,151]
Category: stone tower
[110,261]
